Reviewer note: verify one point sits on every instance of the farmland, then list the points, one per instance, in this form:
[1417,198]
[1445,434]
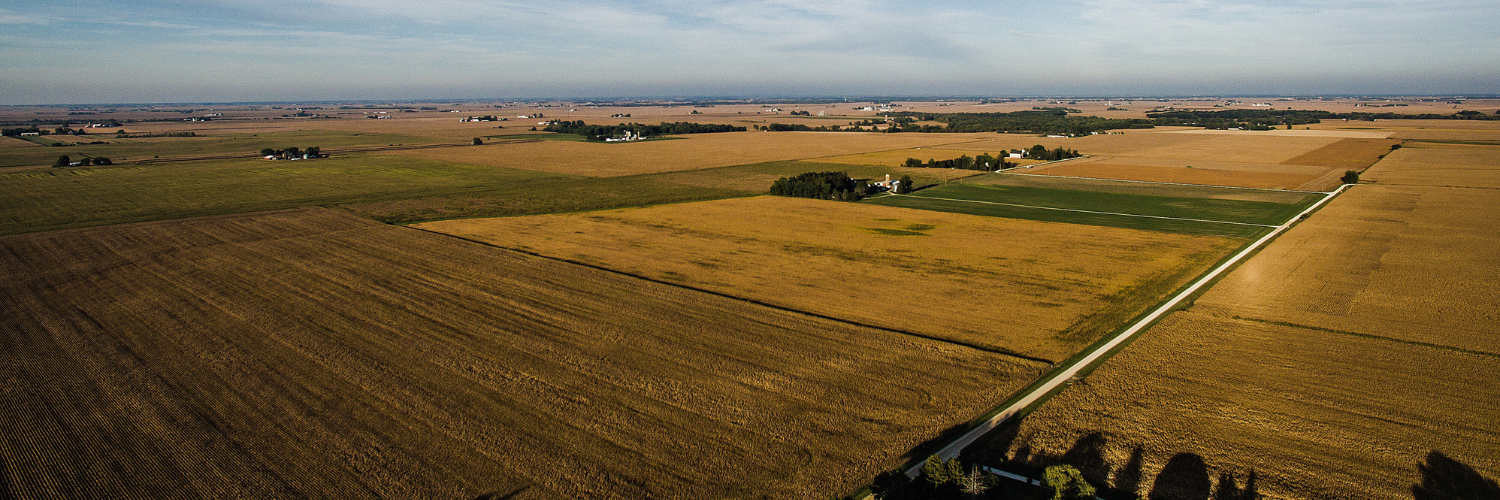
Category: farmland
[567,319]
[1041,290]
[215,357]
[1351,358]
[1105,207]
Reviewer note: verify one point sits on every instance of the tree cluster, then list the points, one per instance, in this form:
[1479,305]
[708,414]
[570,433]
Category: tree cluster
[65,161]
[1048,121]
[801,113]
[293,153]
[940,480]
[821,185]
[983,162]
[602,132]
[1040,152]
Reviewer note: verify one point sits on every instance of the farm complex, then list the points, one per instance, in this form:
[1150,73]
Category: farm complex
[433,305]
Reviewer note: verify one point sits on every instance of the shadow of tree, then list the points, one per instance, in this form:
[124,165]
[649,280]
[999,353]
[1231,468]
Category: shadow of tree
[1128,479]
[1087,455]
[1444,478]
[1184,478]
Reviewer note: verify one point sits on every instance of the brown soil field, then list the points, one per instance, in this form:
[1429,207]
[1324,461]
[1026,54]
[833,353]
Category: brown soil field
[309,353]
[1040,289]
[1203,176]
[690,152]
[1347,154]
[16,142]
[1353,357]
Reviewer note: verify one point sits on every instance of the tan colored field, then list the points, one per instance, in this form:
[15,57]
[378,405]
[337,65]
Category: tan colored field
[16,142]
[1041,289]
[1427,164]
[309,353]
[1353,357]
[1308,414]
[690,152]
[1115,186]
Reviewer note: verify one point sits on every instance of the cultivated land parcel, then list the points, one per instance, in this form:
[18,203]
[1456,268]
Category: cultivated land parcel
[198,322]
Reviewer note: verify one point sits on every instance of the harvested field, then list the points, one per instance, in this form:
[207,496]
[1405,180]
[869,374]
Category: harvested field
[1353,357]
[1203,176]
[16,142]
[309,353]
[687,152]
[757,178]
[1348,154]
[1039,289]
[899,156]
[1429,164]
[1225,402]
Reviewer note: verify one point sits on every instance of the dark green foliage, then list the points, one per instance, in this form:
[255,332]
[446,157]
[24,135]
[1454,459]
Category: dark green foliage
[477,141]
[1040,152]
[1395,147]
[820,185]
[103,161]
[905,186]
[1253,119]
[1350,177]
[1053,121]
[62,161]
[602,132]
[16,132]
[1067,483]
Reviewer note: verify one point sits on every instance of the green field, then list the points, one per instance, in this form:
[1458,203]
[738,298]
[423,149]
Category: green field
[1191,215]
[146,148]
[387,188]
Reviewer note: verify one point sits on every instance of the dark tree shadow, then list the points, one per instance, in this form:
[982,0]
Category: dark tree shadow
[1087,454]
[1184,478]
[1227,489]
[1128,479]
[1444,478]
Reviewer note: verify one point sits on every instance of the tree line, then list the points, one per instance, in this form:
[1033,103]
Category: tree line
[823,186]
[989,163]
[292,153]
[602,132]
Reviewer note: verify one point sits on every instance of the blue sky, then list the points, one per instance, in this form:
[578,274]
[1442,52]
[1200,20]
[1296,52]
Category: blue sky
[90,51]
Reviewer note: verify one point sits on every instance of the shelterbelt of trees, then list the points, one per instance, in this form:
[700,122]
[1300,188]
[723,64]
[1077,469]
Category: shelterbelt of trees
[824,186]
[1058,121]
[602,132]
[991,163]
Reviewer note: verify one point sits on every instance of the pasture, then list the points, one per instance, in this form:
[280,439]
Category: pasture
[313,353]
[1037,289]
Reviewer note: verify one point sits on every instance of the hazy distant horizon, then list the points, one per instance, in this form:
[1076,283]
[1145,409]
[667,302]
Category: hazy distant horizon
[194,51]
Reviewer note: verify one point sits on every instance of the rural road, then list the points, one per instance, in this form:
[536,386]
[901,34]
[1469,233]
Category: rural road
[1064,374]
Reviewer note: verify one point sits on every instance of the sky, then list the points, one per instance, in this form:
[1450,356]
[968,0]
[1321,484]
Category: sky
[135,51]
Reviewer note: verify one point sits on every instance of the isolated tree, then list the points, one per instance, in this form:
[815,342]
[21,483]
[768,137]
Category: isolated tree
[1067,483]
[935,471]
[478,142]
[268,152]
[975,483]
[62,161]
[906,184]
[1350,177]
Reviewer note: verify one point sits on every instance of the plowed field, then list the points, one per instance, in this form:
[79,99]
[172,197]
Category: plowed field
[310,353]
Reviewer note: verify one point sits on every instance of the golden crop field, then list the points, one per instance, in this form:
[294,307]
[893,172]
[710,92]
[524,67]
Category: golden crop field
[1353,357]
[1274,159]
[1309,414]
[941,152]
[688,152]
[312,353]
[1041,289]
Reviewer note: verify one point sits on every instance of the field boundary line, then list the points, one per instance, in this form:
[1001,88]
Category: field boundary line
[1008,171]
[1370,336]
[1088,211]
[1061,376]
[977,347]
